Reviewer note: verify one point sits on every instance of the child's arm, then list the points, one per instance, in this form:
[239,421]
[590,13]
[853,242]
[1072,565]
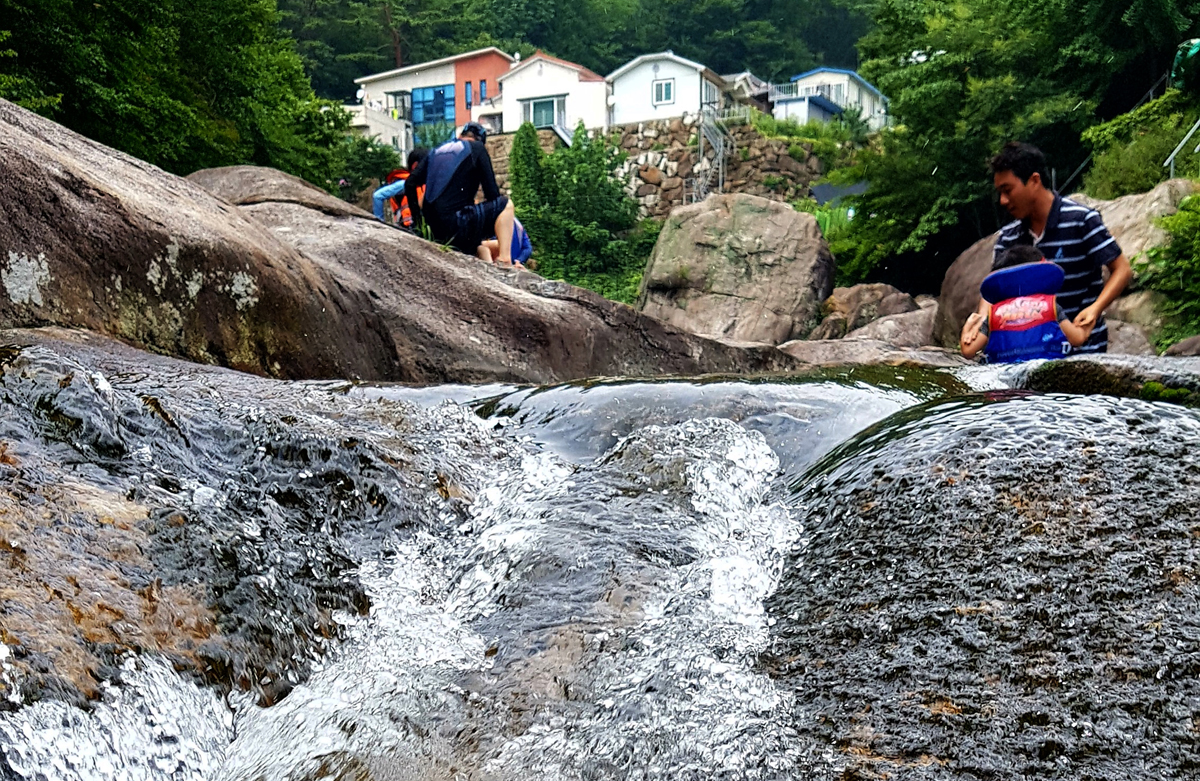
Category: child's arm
[1075,334]
[973,339]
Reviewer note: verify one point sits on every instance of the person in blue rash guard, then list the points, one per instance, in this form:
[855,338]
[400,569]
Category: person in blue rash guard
[451,175]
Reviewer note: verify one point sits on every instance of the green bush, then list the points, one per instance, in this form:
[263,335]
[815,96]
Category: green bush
[834,222]
[1174,271]
[832,142]
[584,227]
[1130,150]
[363,162]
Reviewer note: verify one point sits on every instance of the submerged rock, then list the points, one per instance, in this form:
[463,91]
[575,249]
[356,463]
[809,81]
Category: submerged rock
[1001,587]
[197,514]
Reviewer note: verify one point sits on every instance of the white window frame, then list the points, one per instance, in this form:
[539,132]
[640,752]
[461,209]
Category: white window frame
[560,109]
[669,84]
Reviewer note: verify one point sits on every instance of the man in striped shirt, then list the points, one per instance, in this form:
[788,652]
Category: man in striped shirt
[1067,233]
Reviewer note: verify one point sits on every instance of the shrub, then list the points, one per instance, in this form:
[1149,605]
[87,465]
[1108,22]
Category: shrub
[1130,150]
[583,225]
[363,162]
[832,142]
[1174,271]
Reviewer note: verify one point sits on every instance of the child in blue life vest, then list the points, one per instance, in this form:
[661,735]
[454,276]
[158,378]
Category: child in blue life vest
[1023,321]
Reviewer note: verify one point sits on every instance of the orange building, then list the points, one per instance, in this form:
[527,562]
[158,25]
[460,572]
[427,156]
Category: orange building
[437,93]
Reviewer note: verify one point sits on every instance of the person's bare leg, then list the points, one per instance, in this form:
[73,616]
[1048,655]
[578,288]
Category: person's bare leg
[493,248]
[504,229]
[484,253]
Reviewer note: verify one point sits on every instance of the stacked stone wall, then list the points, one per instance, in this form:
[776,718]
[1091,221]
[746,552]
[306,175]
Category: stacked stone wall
[663,160]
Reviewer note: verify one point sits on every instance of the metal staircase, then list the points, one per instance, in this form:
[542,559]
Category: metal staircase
[713,133]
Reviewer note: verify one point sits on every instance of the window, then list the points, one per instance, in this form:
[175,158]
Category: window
[431,105]
[467,91]
[545,112]
[710,95]
[482,90]
[400,105]
[664,91]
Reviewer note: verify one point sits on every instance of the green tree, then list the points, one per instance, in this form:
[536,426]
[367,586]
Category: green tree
[364,163]
[19,89]
[964,76]
[184,84]
[583,225]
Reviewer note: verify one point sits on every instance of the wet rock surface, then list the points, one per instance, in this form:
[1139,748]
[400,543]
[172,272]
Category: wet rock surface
[212,518]
[1173,379]
[999,587]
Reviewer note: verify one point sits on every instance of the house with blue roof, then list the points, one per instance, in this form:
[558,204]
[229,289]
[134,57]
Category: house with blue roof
[823,93]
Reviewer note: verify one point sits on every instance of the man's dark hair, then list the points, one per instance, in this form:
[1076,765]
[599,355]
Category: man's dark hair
[416,157]
[1024,160]
[1018,256]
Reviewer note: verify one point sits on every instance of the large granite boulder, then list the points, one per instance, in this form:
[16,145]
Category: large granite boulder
[451,318]
[850,308]
[739,267]
[1131,219]
[960,291]
[1128,339]
[906,329]
[1143,308]
[93,238]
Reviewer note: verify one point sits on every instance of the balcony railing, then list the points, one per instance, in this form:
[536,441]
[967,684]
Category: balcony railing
[834,93]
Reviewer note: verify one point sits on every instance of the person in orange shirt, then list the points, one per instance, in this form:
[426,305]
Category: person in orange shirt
[393,191]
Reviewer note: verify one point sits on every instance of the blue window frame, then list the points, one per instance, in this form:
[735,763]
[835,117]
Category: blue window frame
[468,94]
[431,105]
[482,90]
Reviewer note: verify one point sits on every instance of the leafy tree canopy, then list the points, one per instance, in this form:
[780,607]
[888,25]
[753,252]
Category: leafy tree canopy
[964,76]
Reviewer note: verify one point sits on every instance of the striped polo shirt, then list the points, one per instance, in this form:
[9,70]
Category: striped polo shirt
[1077,241]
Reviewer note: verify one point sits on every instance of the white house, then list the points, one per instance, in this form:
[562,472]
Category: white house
[812,93]
[553,93]
[661,86]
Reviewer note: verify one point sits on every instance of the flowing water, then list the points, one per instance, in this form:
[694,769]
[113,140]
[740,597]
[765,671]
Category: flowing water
[221,577]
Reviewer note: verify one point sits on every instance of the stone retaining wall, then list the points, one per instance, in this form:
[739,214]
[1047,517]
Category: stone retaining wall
[663,158]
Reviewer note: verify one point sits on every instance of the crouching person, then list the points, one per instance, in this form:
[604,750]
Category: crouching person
[451,175]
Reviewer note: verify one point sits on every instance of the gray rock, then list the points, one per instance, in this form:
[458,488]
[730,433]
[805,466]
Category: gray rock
[869,351]
[907,329]
[1189,346]
[92,238]
[739,267]
[1128,339]
[452,318]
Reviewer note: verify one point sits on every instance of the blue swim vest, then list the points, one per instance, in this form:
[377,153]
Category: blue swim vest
[1022,324]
